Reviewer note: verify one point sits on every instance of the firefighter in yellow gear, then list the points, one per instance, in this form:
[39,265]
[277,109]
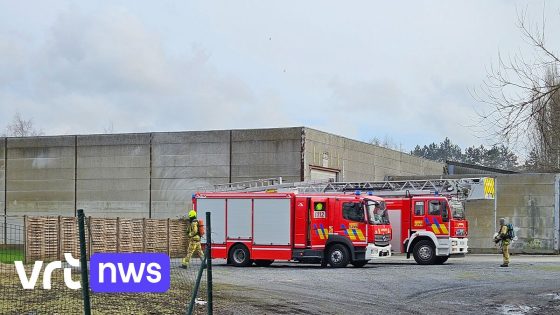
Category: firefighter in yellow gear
[505,240]
[194,240]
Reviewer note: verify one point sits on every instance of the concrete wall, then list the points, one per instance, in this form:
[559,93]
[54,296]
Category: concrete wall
[266,153]
[40,175]
[113,175]
[155,174]
[139,175]
[183,162]
[530,202]
[356,161]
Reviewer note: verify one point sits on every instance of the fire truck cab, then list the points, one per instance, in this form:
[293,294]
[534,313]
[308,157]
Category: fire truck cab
[428,228]
[331,229]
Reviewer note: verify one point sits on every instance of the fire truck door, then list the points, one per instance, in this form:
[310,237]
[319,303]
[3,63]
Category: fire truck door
[301,223]
[418,216]
[318,221]
[395,219]
[437,217]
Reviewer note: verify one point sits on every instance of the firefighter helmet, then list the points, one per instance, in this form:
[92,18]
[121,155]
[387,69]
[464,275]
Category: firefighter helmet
[192,214]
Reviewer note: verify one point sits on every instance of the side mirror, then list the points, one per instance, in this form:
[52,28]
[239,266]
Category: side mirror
[445,214]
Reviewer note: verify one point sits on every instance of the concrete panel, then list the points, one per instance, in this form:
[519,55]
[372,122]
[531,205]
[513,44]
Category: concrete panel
[264,171]
[109,171]
[16,173]
[192,160]
[181,149]
[189,172]
[113,151]
[113,209]
[193,183]
[525,200]
[139,196]
[266,153]
[172,198]
[129,161]
[122,184]
[183,162]
[186,137]
[358,161]
[40,175]
[114,140]
[267,146]
[171,209]
[42,185]
[273,134]
[113,175]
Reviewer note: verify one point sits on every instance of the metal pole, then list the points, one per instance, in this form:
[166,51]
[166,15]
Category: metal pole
[495,203]
[83,262]
[208,255]
[196,285]
[5,190]
[557,212]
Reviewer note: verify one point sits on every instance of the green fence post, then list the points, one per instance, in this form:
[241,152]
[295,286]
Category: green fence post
[83,262]
[208,255]
[196,285]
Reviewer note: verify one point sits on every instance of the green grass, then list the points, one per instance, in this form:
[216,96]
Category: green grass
[9,255]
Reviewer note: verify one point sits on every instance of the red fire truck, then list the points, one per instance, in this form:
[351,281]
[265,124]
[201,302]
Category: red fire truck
[427,228]
[326,228]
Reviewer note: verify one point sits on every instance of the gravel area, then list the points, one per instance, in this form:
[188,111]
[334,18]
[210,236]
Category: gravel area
[471,285]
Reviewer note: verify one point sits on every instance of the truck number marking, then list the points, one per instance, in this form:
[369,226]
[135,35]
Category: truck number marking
[319,214]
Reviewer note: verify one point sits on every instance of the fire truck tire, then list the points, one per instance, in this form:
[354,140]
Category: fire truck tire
[263,263]
[239,256]
[424,252]
[440,260]
[338,256]
[359,263]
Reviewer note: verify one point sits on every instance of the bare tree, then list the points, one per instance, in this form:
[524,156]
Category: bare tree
[19,127]
[545,139]
[110,129]
[523,97]
[387,142]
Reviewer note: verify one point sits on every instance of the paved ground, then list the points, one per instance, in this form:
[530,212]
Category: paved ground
[471,285]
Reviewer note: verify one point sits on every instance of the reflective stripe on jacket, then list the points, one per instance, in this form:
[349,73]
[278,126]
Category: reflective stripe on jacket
[193,231]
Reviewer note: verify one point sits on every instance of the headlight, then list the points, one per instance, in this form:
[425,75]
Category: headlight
[383,237]
[460,232]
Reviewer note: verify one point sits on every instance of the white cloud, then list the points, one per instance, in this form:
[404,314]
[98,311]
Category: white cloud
[360,70]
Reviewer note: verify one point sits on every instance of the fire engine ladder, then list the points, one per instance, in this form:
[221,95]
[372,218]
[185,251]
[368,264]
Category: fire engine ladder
[462,188]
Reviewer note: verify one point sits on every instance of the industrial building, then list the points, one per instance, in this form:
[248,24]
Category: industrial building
[153,175]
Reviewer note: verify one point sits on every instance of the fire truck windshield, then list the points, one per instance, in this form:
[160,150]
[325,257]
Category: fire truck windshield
[377,212]
[457,209]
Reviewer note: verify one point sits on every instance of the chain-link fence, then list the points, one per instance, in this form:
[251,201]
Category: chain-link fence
[36,298]
[28,240]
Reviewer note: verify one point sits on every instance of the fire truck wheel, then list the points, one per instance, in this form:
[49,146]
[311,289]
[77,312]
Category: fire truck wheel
[359,263]
[338,256]
[440,260]
[239,256]
[263,263]
[424,253]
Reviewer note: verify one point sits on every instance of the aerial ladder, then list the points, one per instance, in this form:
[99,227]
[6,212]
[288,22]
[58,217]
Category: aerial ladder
[471,188]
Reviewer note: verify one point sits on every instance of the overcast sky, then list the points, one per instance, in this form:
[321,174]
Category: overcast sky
[359,69]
